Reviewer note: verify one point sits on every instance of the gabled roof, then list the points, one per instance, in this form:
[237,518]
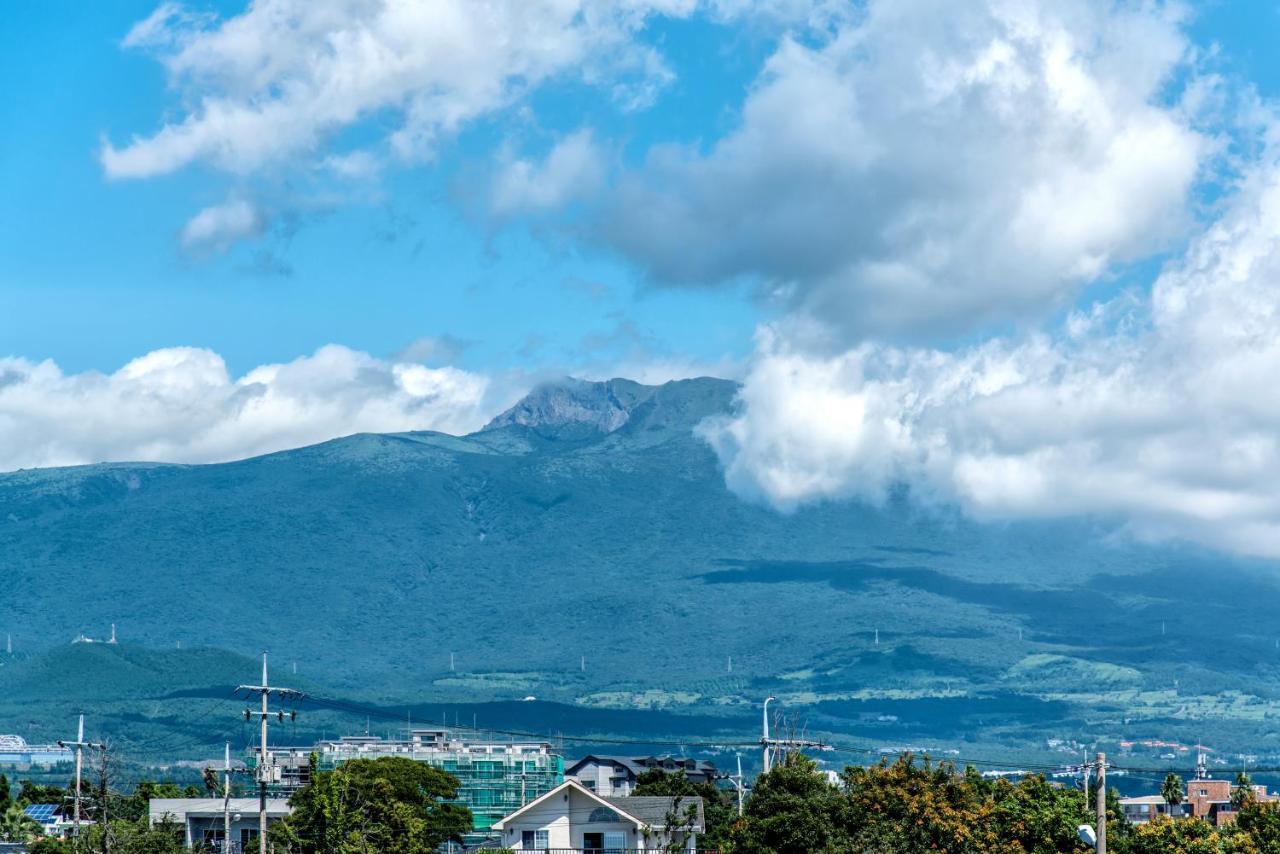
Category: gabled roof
[573,785]
[643,812]
[653,810]
[637,765]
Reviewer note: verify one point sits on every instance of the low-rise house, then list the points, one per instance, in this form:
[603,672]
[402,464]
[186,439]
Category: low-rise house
[572,818]
[203,820]
[55,819]
[1145,808]
[616,775]
[1211,799]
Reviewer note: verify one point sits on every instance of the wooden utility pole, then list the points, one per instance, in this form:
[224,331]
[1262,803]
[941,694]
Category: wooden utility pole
[1102,804]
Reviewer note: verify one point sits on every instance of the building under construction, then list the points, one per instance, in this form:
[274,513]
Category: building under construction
[494,777]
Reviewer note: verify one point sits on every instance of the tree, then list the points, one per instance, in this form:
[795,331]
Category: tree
[5,798]
[1242,793]
[17,826]
[135,837]
[1038,817]
[718,806]
[1166,836]
[390,805]
[1172,791]
[902,807]
[135,807]
[34,793]
[1259,825]
[792,808]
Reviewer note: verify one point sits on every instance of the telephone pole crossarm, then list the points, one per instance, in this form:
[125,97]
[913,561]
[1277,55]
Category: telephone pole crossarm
[266,771]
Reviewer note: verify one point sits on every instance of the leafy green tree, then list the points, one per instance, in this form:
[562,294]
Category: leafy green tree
[792,808]
[1259,825]
[49,846]
[5,798]
[134,837]
[136,807]
[390,805]
[902,807]
[1242,793]
[1172,791]
[719,806]
[17,826]
[1181,836]
[1037,817]
[34,793]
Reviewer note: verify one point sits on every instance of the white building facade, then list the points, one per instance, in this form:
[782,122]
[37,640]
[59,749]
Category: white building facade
[203,820]
[571,818]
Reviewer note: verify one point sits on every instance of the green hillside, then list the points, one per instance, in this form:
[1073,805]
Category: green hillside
[591,522]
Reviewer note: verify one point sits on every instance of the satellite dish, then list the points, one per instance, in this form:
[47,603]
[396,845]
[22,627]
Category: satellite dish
[1087,836]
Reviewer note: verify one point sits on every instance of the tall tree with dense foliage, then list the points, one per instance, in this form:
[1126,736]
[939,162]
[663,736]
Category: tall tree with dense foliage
[390,805]
[1172,791]
[5,796]
[719,806]
[17,826]
[792,808]
[35,793]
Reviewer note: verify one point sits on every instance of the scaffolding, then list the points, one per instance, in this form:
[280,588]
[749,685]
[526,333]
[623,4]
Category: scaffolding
[495,778]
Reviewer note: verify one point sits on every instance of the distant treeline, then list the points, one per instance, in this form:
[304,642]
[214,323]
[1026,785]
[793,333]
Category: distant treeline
[910,806]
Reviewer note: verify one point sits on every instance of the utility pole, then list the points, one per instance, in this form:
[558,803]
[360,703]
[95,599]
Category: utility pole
[104,780]
[765,741]
[1102,803]
[80,744]
[265,768]
[771,746]
[738,784]
[226,799]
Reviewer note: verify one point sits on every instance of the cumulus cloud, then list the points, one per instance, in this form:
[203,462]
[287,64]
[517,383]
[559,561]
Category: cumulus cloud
[217,227]
[182,405]
[278,80]
[933,166]
[573,169]
[1157,411]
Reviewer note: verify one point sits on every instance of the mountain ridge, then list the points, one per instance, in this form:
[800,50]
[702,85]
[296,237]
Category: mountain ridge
[524,548]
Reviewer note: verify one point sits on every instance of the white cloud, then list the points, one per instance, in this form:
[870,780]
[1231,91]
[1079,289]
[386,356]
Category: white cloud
[276,81]
[573,169]
[182,405]
[934,166]
[1159,412]
[219,226]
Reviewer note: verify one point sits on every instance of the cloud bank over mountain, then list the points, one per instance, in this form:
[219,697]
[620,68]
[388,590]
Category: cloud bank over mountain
[182,405]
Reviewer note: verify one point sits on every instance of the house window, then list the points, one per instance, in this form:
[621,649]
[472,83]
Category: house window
[604,815]
[614,843]
[535,840]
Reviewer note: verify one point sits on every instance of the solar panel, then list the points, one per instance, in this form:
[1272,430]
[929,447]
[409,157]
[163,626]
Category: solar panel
[41,812]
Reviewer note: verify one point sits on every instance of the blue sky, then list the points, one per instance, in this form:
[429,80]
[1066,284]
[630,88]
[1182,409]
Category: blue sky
[92,274]
[1021,256]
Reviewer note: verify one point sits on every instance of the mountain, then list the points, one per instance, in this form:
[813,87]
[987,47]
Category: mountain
[583,548]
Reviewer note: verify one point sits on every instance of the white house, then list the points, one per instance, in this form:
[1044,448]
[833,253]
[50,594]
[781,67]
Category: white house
[571,818]
[202,819]
[617,775]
